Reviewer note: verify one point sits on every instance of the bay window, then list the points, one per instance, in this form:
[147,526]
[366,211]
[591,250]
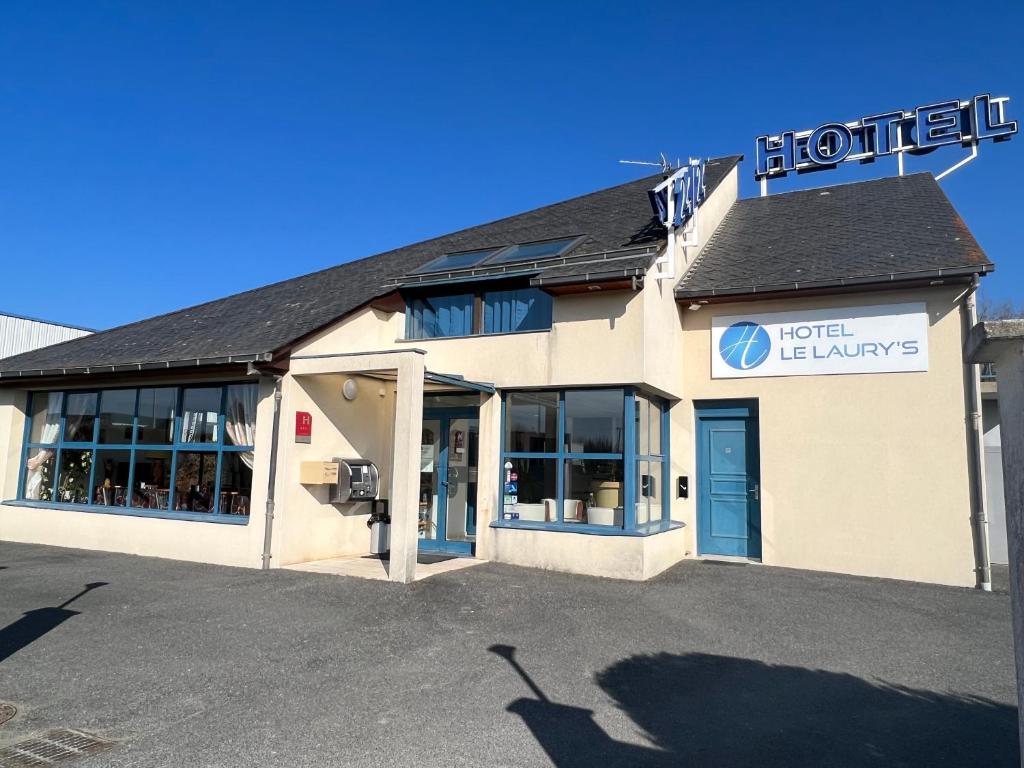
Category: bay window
[584,459]
[172,451]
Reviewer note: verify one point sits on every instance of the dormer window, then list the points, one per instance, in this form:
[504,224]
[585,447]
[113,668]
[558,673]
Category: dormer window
[514,310]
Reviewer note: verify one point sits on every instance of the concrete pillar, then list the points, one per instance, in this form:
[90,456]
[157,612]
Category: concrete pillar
[488,490]
[405,468]
[13,406]
[1002,342]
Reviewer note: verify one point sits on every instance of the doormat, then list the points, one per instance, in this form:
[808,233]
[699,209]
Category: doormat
[7,711]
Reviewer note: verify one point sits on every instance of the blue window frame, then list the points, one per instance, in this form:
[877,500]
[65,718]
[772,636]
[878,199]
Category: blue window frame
[172,451]
[436,316]
[521,309]
[513,310]
[585,460]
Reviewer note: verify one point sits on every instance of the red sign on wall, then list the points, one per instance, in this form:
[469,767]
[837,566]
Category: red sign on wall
[303,427]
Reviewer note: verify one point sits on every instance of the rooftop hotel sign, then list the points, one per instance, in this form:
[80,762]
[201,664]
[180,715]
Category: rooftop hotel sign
[887,338]
[916,131]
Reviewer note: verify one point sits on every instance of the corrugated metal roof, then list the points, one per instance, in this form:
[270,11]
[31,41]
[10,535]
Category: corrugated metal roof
[22,334]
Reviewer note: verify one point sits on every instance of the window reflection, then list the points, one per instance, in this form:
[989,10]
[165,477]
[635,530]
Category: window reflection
[200,408]
[194,481]
[593,421]
[594,491]
[117,409]
[110,478]
[235,482]
[74,466]
[156,415]
[531,422]
[151,487]
[80,417]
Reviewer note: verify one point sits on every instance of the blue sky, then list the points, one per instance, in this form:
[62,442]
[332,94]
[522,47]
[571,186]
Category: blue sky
[158,155]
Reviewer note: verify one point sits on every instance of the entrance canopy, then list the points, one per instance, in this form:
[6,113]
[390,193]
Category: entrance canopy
[406,369]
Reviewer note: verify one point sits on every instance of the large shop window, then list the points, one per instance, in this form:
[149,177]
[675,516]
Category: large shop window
[172,451]
[585,459]
[511,311]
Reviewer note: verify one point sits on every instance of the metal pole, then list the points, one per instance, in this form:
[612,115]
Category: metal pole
[268,524]
[976,472]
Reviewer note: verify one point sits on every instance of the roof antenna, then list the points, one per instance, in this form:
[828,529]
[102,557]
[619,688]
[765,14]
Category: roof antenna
[663,163]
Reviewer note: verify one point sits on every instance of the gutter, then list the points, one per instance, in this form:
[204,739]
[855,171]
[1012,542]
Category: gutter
[841,282]
[590,277]
[194,362]
[976,469]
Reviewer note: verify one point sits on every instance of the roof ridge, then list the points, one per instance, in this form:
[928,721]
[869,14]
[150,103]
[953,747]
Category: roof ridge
[836,186]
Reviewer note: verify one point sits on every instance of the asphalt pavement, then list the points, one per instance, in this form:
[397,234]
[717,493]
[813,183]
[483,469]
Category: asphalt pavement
[708,665]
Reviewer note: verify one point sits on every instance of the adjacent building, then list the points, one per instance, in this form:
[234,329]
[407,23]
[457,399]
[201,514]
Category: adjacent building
[592,386]
[22,334]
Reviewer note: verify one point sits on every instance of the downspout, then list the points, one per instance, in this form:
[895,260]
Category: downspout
[268,524]
[978,502]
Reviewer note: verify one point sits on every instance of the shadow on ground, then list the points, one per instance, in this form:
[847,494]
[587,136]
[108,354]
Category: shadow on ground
[705,710]
[36,623]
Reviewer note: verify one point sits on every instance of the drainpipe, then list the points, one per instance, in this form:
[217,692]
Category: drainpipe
[980,516]
[268,525]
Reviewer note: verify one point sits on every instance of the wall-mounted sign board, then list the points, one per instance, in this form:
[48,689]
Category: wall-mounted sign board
[303,427]
[887,338]
[677,198]
[915,131]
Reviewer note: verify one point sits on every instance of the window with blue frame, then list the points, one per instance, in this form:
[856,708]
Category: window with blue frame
[174,451]
[521,309]
[585,459]
[437,316]
[514,310]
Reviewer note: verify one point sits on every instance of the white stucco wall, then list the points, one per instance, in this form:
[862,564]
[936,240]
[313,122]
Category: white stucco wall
[863,474]
[210,542]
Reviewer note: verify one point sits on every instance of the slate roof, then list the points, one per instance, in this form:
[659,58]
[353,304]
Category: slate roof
[252,325]
[893,229]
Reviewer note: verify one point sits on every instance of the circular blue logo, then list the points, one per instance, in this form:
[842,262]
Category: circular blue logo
[744,345]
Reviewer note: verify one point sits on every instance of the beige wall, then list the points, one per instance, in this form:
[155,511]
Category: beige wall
[863,474]
[619,557]
[209,542]
[307,525]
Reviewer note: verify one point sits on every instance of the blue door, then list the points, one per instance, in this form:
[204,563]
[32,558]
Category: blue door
[448,478]
[728,479]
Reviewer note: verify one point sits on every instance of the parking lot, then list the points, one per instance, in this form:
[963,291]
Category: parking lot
[709,664]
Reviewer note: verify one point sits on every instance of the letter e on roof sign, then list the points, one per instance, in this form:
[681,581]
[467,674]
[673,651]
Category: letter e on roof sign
[303,427]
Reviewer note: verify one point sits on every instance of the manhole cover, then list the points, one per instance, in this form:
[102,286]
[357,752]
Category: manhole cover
[7,711]
[56,746]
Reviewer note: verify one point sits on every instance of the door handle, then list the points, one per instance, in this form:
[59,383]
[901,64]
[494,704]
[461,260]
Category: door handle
[756,490]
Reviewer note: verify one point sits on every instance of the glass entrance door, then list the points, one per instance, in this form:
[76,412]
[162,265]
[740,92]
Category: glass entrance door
[449,451]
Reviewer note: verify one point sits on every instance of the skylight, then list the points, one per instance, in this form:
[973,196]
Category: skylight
[462,260]
[533,251]
[487,257]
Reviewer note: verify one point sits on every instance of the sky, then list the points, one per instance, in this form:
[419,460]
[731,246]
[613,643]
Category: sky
[158,155]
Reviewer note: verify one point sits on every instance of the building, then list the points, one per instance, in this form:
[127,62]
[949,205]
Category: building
[993,444]
[580,387]
[21,334]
